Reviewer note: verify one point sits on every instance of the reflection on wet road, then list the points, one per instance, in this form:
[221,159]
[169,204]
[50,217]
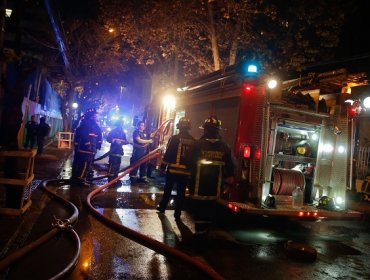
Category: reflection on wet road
[236,247]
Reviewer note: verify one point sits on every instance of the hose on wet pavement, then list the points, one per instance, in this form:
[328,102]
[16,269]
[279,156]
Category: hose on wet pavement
[143,239]
[67,225]
[59,226]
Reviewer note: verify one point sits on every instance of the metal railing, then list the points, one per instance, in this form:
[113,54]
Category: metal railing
[363,162]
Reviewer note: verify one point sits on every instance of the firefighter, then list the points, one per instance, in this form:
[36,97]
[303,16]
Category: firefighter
[87,140]
[117,138]
[175,161]
[141,141]
[212,167]
[213,162]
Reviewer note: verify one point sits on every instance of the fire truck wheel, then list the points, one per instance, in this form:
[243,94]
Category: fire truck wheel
[300,251]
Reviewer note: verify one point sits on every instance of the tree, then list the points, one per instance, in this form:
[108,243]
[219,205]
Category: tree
[92,67]
[188,38]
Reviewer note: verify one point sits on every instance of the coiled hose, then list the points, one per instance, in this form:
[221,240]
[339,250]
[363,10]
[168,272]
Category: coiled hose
[58,226]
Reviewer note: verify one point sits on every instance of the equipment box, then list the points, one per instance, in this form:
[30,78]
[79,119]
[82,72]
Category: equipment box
[65,140]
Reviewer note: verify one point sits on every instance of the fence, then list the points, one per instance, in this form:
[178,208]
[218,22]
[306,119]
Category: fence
[363,162]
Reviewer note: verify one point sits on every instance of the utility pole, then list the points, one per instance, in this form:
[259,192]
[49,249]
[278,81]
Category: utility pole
[2,35]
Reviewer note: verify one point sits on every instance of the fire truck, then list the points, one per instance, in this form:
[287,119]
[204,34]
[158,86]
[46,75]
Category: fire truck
[280,143]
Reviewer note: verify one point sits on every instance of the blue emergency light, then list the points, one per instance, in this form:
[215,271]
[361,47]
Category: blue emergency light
[252,68]
[249,68]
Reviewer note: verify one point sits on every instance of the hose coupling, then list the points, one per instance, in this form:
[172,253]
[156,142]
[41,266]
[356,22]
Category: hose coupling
[62,224]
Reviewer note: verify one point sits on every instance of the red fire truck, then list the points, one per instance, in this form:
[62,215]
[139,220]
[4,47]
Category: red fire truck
[279,145]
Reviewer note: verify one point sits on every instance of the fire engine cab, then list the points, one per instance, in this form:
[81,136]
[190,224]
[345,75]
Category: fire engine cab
[288,144]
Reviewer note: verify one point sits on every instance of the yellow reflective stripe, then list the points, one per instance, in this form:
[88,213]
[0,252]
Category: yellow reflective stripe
[212,162]
[86,152]
[115,155]
[175,165]
[176,171]
[83,170]
[219,181]
[178,155]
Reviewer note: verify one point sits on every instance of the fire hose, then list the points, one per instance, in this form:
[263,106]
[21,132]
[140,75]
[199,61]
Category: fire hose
[162,130]
[59,226]
[67,225]
[143,239]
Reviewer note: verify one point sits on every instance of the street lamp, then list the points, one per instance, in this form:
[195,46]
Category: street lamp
[169,102]
[271,84]
[168,106]
[74,115]
[366,102]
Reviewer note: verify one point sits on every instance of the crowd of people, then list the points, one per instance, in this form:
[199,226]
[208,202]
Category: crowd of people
[205,165]
[36,133]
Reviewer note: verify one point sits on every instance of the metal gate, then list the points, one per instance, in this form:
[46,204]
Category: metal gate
[363,162]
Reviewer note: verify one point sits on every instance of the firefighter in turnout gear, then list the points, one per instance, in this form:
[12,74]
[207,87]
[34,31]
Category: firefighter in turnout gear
[116,138]
[87,140]
[176,162]
[213,164]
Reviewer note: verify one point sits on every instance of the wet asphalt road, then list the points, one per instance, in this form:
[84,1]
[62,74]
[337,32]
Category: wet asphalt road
[236,247]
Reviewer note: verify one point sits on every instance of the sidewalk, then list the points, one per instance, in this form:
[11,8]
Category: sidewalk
[15,229]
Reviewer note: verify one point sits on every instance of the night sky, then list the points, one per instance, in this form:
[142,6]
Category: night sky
[355,36]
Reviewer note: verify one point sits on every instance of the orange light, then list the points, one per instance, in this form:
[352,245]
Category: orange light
[300,214]
[247,152]
[315,214]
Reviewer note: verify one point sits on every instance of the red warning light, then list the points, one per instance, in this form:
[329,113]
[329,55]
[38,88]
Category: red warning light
[247,88]
[257,153]
[247,152]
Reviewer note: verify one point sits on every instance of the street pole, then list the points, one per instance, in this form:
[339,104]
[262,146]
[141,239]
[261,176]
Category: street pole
[351,154]
[2,59]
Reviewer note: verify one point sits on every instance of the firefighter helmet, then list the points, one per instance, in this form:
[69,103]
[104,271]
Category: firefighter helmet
[326,202]
[90,113]
[212,121]
[184,123]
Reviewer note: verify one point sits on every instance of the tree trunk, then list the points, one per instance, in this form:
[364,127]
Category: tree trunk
[234,44]
[213,39]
